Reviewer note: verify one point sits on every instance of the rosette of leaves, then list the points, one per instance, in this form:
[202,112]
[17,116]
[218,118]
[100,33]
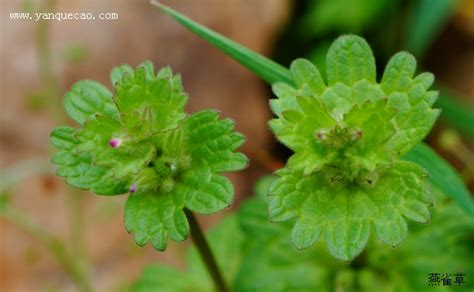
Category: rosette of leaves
[140,141]
[348,134]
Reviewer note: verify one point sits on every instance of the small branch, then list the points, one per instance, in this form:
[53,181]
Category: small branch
[66,259]
[205,252]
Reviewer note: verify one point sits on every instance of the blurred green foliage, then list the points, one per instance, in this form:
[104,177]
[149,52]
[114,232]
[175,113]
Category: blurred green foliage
[225,241]
[459,114]
[425,21]
[259,256]
[327,16]
[75,53]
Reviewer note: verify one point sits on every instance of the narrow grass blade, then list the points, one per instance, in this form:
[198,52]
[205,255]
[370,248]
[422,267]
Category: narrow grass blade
[443,175]
[460,115]
[265,68]
[425,21]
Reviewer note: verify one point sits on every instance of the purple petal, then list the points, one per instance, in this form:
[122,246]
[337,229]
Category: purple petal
[114,143]
[133,188]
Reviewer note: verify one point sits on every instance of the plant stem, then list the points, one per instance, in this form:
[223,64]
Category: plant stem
[66,259]
[205,252]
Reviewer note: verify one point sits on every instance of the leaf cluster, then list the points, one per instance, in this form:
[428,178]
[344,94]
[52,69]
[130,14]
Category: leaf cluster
[348,134]
[140,141]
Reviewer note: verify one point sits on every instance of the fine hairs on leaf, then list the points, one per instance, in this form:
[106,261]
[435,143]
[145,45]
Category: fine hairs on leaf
[139,140]
[345,178]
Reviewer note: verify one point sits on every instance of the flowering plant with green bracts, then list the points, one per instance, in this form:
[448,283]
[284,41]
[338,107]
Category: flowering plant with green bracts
[345,176]
[140,141]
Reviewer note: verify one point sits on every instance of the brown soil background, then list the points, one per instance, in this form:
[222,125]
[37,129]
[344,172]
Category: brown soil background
[212,81]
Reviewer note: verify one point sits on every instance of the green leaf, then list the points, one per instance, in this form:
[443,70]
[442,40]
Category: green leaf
[398,74]
[412,99]
[304,72]
[442,175]
[155,217]
[296,128]
[87,99]
[206,192]
[345,213]
[148,103]
[266,68]
[117,73]
[212,142]
[349,60]
[78,168]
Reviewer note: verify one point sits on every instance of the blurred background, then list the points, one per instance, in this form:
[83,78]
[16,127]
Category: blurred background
[53,237]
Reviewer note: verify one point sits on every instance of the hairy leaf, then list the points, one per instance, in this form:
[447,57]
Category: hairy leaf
[78,168]
[87,99]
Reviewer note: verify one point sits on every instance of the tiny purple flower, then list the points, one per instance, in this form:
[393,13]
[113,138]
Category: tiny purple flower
[133,188]
[115,142]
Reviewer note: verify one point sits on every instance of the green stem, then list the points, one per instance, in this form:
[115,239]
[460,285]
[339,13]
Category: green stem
[66,259]
[205,252]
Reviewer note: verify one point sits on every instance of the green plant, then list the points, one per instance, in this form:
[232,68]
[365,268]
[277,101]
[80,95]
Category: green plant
[358,164]
[346,176]
[140,141]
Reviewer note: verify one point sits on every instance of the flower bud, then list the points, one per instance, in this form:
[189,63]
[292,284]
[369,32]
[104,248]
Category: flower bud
[133,188]
[115,142]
